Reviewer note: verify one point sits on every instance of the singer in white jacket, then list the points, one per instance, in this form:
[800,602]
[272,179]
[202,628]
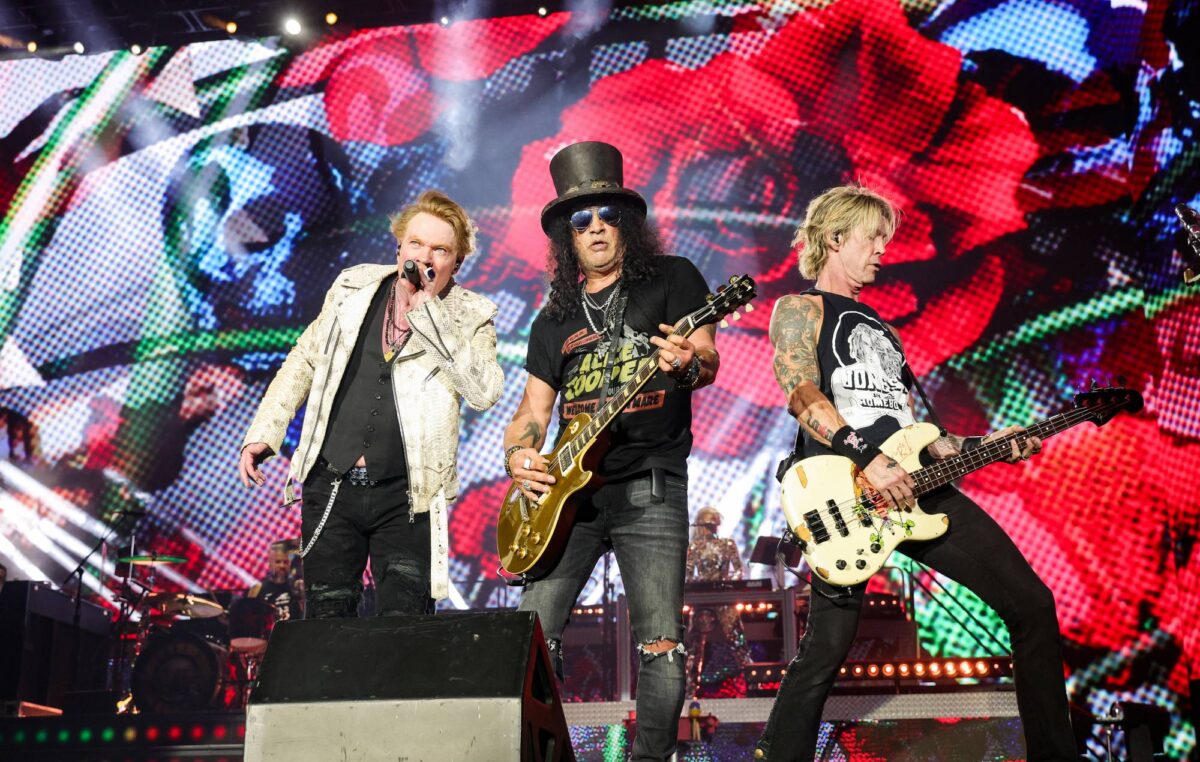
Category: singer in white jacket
[383,369]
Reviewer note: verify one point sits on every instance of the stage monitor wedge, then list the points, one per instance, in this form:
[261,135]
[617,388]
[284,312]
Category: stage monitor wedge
[470,686]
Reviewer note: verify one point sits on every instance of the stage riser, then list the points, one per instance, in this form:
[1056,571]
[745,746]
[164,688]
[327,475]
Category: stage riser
[431,730]
[961,740]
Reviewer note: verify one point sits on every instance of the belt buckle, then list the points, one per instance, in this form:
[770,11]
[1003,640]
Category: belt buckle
[359,478]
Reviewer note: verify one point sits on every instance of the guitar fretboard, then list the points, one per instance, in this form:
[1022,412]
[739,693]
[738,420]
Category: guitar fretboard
[616,403]
[943,472]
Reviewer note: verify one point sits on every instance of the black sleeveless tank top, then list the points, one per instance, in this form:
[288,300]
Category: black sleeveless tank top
[863,371]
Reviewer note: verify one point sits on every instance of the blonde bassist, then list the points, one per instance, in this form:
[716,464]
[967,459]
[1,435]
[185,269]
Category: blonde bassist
[846,380]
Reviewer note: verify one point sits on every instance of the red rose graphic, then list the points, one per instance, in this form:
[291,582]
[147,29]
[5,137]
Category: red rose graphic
[850,92]
[378,82]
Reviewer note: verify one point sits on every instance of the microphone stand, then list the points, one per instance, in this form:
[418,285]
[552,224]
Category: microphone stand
[78,572]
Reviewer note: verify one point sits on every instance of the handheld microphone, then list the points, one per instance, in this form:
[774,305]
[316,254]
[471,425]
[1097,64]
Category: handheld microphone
[410,273]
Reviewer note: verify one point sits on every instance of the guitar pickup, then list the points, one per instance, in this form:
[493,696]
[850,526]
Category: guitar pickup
[816,526]
[838,521]
[866,513]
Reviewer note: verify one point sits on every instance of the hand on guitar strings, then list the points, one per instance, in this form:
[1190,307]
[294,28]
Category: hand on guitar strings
[1023,448]
[530,471]
[676,351]
[895,485]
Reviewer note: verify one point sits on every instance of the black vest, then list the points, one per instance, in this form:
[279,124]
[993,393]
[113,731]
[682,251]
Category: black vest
[363,419]
[863,370]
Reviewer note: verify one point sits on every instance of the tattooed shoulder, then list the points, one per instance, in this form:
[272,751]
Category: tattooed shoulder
[795,327]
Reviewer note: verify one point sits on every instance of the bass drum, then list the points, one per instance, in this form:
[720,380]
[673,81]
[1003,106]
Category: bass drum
[181,672]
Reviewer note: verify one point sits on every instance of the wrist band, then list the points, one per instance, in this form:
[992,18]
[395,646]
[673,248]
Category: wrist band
[692,376]
[970,443]
[508,456]
[849,444]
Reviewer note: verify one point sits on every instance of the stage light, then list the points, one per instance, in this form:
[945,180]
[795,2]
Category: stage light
[966,668]
[935,669]
[331,18]
[130,734]
[444,21]
[951,668]
[873,670]
[31,46]
[291,25]
[542,10]
[858,670]
[78,48]
[135,49]
[85,735]
[107,734]
[903,669]
[231,27]
[219,732]
[889,670]
[981,667]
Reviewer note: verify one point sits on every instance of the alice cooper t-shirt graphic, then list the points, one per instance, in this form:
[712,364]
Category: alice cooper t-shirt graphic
[654,430]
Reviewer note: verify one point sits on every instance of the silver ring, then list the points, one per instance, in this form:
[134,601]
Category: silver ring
[675,364]
[527,464]
[526,485]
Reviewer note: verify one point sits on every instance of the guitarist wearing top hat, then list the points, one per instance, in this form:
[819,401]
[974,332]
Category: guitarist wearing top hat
[848,385]
[614,297]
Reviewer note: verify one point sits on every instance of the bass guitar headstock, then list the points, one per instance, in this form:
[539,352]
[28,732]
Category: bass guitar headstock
[1101,403]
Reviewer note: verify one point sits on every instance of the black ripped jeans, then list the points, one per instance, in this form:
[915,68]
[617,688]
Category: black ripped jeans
[365,522]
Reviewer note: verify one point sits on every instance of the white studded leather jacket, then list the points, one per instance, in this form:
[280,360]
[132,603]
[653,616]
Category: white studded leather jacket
[450,356]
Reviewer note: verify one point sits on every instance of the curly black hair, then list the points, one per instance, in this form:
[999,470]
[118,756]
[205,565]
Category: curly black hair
[639,239]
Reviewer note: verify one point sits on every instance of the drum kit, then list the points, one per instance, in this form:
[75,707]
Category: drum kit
[182,651]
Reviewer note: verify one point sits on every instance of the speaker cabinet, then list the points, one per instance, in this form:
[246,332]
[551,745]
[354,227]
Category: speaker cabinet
[42,656]
[477,686]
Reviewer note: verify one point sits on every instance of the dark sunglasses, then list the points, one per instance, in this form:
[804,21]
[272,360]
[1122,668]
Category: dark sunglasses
[582,219]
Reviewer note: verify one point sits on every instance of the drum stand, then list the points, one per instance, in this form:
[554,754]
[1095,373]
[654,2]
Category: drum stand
[250,661]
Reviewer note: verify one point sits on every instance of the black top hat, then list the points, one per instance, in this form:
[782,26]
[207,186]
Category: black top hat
[587,171]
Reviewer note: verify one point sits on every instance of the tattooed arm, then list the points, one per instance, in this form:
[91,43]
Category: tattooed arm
[528,430]
[795,328]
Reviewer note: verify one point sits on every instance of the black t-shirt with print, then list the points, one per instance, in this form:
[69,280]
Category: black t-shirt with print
[655,429]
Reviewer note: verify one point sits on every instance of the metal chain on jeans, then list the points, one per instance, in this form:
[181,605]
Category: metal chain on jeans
[336,484]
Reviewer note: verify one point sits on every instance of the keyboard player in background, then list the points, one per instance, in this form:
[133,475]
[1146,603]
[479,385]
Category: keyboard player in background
[716,642]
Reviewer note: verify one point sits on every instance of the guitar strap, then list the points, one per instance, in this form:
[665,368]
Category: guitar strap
[794,456]
[614,330]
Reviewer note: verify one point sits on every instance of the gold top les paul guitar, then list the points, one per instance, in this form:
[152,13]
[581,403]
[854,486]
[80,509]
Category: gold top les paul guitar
[848,532]
[530,535]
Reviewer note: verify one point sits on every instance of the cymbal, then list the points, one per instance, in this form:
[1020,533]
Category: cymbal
[182,604]
[151,559]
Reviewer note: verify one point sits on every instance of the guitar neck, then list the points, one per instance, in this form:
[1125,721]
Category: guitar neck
[616,403]
[942,472]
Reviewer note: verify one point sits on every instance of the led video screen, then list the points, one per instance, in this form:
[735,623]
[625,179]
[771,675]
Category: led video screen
[172,220]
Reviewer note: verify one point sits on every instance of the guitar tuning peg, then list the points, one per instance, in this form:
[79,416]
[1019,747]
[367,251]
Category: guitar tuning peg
[724,323]
[708,298]
[1094,385]
[736,316]
[749,307]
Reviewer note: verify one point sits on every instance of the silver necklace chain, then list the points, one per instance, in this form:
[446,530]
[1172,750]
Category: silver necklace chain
[602,309]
